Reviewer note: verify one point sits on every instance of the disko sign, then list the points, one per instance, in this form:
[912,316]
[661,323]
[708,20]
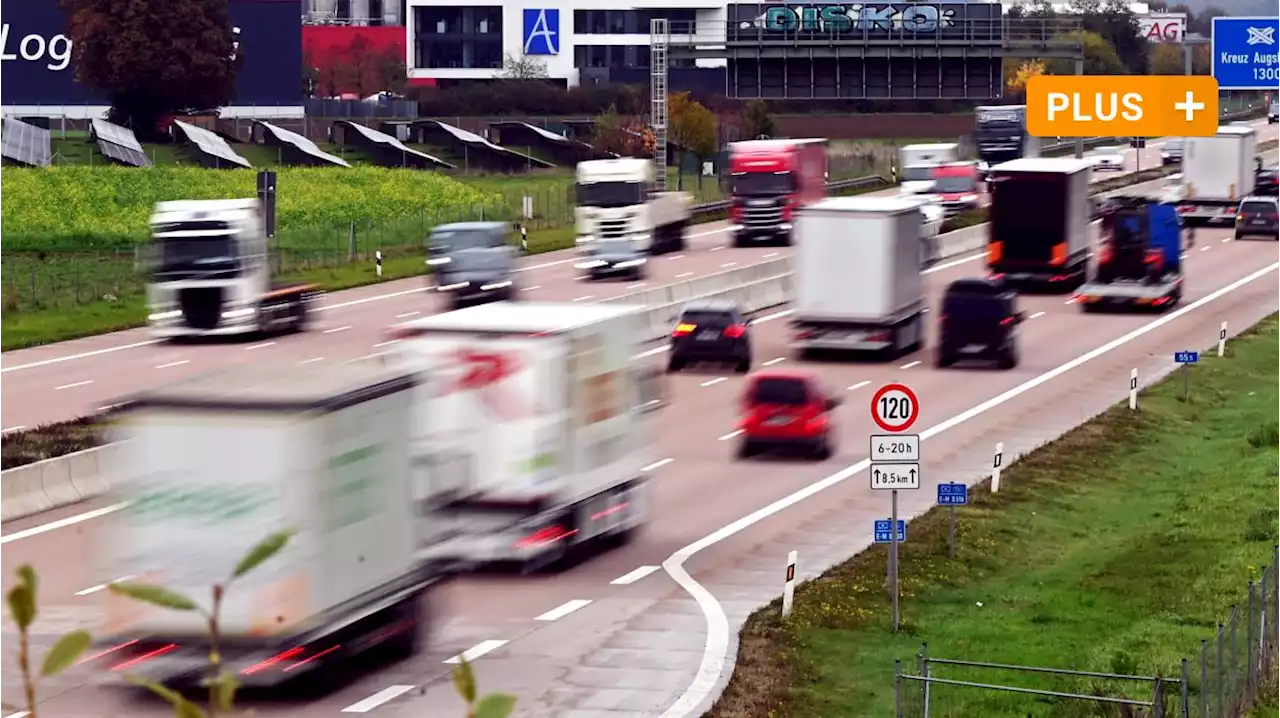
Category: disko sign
[931,20]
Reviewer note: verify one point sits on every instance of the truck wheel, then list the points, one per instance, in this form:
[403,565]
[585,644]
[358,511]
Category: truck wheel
[408,643]
[942,361]
[745,451]
[1008,359]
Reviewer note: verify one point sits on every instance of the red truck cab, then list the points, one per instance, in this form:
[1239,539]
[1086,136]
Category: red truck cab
[769,181]
[958,186]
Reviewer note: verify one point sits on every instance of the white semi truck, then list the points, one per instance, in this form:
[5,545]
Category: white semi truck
[210,273]
[1217,172]
[540,417]
[209,466]
[858,285]
[615,201]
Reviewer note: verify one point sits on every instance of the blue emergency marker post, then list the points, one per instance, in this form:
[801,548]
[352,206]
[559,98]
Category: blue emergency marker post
[951,496]
[1186,359]
[1244,52]
[884,535]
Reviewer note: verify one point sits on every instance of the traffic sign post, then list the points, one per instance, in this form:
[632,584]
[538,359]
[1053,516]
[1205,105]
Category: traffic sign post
[1186,359]
[895,464]
[1244,52]
[951,496]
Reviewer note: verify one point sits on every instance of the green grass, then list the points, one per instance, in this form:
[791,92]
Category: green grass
[1116,548]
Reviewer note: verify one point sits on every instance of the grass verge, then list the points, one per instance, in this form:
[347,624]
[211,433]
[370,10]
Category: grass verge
[1115,548]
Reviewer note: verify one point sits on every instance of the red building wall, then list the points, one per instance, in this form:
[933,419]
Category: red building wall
[357,61]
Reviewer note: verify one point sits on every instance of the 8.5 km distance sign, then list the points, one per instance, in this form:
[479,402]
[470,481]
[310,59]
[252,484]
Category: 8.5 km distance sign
[895,408]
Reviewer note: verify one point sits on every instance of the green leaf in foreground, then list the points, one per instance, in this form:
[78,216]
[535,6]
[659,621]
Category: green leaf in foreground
[155,595]
[22,606]
[265,549]
[495,705]
[182,707]
[465,681]
[225,687]
[27,575]
[65,652]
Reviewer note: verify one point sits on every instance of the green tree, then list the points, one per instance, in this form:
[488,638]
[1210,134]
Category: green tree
[153,58]
[1100,58]
[1115,23]
[1166,59]
[757,121]
[23,611]
[693,129]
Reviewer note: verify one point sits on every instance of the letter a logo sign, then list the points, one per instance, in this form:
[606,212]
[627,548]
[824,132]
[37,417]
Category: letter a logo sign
[541,32]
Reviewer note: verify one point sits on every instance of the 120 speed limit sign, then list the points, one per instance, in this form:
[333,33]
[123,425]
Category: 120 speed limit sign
[895,407]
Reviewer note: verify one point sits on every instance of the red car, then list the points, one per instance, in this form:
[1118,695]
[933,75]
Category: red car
[787,409]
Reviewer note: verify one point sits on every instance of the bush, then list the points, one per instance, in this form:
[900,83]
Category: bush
[83,208]
[46,442]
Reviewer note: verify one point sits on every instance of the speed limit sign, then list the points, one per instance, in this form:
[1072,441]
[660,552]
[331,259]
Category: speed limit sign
[894,407]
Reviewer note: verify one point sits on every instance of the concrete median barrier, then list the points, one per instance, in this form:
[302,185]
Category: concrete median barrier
[49,484]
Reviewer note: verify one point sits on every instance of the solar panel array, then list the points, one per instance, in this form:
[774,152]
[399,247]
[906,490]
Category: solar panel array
[119,144]
[383,138]
[211,144]
[26,144]
[302,144]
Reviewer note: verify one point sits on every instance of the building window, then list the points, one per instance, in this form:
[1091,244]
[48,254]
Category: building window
[631,22]
[615,56]
[457,37]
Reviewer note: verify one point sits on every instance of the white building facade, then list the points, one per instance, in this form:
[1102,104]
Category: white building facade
[576,40]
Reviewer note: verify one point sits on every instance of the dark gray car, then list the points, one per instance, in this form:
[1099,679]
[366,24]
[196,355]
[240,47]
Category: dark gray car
[711,331]
[614,258]
[1258,217]
[473,262]
[1171,153]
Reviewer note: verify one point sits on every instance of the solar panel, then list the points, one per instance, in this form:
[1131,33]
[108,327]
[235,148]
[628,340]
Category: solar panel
[302,144]
[119,144]
[26,144]
[211,144]
[383,138]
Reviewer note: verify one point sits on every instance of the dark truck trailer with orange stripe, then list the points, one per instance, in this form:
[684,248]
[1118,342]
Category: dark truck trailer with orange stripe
[211,273]
[1039,230]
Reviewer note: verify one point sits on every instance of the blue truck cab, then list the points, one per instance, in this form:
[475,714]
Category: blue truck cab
[1139,260]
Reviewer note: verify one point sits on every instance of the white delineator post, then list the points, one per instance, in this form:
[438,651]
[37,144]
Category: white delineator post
[1222,340]
[996,463]
[789,588]
[1133,389]
[377,255]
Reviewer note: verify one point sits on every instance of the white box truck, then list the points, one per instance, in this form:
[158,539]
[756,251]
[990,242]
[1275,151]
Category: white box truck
[1217,172]
[857,276]
[615,200]
[540,415]
[210,466]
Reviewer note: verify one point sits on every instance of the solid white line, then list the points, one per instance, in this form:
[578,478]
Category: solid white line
[726,265]
[637,285]
[718,248]
[771,317]
[174,363]
[312,360]
[1037,315]
[678,256]
[713,382]
[19,714]
[584,298]
[682,275]
[657,464]
[82,355]
[377,699]
[335,330]
[61,523]
[910,364]
[366,357]
[13,428]
[564,609]
[771,254]
[652,352]
[406,315]
[531,288]
[99,587]
[477,650]
[387,343]
[859,385]
[717,639]
[771,362]
[263,345]
[630,578]
[730,435]
[76,384]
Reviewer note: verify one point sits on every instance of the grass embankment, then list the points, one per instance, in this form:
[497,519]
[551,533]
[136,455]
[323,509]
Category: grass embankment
[1116,548]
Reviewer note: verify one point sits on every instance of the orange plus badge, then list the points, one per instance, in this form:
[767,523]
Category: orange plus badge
[1122,106]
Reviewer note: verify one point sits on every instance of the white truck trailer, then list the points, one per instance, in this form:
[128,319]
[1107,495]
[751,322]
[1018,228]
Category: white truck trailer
[210,273]
[540,417]
[210,466]
[1217,172]
[615,200]
[857,276]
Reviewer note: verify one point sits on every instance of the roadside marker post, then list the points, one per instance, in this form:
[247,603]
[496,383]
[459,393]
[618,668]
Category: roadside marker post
[1186,359]
[1222,340]
[951,496]
[895,464]
[1133,390]
[996,465]
[378,258]
[789,587]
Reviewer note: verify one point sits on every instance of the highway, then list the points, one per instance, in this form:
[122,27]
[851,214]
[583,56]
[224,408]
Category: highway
[620,635]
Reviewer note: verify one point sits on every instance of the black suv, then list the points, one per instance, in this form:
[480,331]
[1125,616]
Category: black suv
[1266,182]
[978,321]
[711,330]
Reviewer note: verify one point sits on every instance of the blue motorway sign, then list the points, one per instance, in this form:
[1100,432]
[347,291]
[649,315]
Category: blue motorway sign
[1186,357]
[953,494]
[882,531]
[1245,54]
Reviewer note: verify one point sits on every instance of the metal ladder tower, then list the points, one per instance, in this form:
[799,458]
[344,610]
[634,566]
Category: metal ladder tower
[659,41]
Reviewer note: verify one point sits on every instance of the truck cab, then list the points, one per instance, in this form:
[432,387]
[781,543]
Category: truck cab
[472,262]
[957,187]
[210,272]
[919,163]
[1000,132]
[615,200]
[768,181]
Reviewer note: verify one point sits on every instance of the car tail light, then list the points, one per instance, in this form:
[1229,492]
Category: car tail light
[816,424]
[734,331]
[995,251]
[683,329]
[878,337]
[1007,322]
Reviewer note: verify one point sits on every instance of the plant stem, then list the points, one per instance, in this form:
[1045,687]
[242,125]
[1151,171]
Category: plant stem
[24,664]
[215,655]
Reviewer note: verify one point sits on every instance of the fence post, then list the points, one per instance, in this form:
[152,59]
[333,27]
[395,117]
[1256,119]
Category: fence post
[1222,696]
[351,243]
[1184,701]
[897,687]
[1248,645]
[1235,664]
[924,671]
[1204,678]
[1157,700]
